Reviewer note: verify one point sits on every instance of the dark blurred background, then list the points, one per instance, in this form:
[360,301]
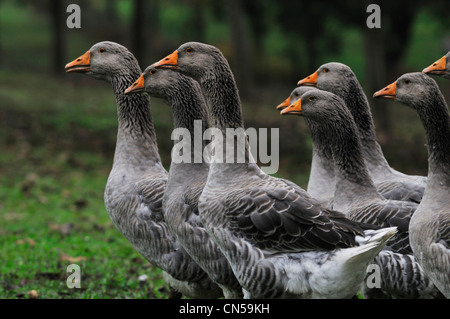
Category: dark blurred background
[58,130]
[52,122]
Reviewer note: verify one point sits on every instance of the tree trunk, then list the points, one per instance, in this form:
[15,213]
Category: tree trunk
[198,20]
[241,47]
[376,79]
[137,31]
[58,44]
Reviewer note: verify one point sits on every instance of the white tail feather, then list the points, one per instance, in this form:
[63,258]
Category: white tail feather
[372,243]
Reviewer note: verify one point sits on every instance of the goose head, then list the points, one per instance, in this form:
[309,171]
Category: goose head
[294,96]
[317,105]
[193,59]
[410,89]
[156,82]
[333,77]
[103,60]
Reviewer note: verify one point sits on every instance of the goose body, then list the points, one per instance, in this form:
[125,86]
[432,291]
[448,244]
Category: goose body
[355,193]
[268,255]
[135,188]
[429,229]
[392,184]
[321,177]
[188,177]
[348,184]
[279,241]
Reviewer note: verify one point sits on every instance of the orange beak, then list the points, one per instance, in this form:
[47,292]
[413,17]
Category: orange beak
[169,62]
[81,64]
[284,104]
[437,67]
[137,87]
[293,109]
[309,80]
[388,92]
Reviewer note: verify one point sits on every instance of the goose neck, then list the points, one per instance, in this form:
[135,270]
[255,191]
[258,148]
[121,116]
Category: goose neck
[320,140]
[188,107]
[222,97]
[136,144]
[190,122]
[357,103]
[229,148]
[435,117]
[353,182]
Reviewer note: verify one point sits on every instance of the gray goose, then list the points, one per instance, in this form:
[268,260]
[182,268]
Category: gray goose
[280,242]
[135,187]
[357,196]
[441,67]
[339,79]
[429,228]
[321,177]
[187,175]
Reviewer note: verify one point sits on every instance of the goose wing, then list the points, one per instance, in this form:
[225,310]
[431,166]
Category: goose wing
[191,197]
[283,217]
[396,190]
[151,194]
[150,223]
[388,214]
[444,231]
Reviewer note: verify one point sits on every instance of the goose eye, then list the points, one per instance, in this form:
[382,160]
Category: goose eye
[310,98]
[101,50]
[407,81]
[188,50]
[326,70]
[152,71]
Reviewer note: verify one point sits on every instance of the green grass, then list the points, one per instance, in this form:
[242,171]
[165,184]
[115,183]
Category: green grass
[56,142]
[57,138]
[47,221]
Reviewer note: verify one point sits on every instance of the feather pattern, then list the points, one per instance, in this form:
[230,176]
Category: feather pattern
[340,80]
[321,179]
[137,181]
[275,216]
[430,225]
[355,193]
[187,179]
[273,236]
[400,277]
[388,213]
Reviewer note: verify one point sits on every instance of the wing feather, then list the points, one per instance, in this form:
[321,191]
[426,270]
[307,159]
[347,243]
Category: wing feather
[280,216]
[389,213]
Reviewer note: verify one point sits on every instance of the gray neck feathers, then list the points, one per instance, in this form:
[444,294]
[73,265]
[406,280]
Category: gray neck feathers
[222,95]
[189,107]
[357,103]
[319,138]
[353,182]
[187,104]
[434,114]
[347,151]
[136,139]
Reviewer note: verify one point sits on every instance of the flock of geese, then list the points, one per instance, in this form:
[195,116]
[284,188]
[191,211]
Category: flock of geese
[230,230]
